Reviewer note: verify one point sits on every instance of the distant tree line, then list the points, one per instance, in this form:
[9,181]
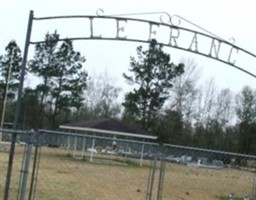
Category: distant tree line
[166,99]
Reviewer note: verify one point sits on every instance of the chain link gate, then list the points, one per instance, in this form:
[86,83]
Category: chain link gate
[184,167]
[60,165]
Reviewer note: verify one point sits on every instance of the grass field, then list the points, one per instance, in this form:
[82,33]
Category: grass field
[62,177]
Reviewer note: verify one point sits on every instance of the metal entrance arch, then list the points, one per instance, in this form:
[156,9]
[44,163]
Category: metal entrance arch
[216,48]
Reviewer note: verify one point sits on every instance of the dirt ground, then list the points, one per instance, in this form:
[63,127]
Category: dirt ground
[62,177]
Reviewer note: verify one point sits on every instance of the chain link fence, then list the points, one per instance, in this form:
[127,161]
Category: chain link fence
[193,173]
[18,161]
[60,165]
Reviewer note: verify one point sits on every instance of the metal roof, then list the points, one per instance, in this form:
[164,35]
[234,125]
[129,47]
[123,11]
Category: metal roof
[109,126]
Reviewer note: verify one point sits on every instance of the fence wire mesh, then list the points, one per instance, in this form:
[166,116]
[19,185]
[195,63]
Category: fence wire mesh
[85,166]
[73,166]
[20,147]
[193,173]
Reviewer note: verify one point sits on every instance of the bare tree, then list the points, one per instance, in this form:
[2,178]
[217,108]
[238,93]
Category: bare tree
[185,91]
[224,109]
[102,96]
[206,102]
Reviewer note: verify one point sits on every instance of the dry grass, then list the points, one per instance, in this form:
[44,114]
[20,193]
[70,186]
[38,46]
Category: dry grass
[61,177]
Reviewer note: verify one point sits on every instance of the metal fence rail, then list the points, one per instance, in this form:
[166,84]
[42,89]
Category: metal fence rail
[24,138]
[194,173]
[61,165]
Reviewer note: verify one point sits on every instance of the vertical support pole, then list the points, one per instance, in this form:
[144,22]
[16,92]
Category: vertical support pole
[125,152]
[36,175]
[84,142]
[17,109]
[151,178]
[254,184]
[125,156]
[142,155]
[68,144]
[74,149]
[25,169]
[32,183]
[23,161]
[93,144]
[35,168]
[162,173]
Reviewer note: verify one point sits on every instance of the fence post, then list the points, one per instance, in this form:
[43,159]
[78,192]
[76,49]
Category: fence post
[254,184]
[142,155]
[84,142]
[25,170]
[35,167]
[17,109]
[93,144]
[74,147]
[162,173]
[68,144]
[151,178]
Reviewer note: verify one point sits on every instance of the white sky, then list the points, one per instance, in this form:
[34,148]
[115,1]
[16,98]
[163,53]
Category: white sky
[224,18]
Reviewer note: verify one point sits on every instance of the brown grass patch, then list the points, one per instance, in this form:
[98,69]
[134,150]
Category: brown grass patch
[61,177]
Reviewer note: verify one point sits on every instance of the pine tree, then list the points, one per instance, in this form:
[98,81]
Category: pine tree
[60,68]
[153,73]
[10,64]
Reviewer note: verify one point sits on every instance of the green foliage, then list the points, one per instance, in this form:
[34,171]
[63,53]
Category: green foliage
[10,64]
[169,127]
[63,78]
[30,116]
[195,116]
[246,105]
[153,76]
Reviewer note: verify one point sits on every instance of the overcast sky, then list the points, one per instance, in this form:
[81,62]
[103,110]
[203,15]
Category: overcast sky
[224,18]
